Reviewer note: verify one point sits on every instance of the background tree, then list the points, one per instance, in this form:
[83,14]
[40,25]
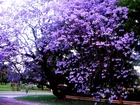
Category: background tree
[4,74]
[132,23]
[24,30]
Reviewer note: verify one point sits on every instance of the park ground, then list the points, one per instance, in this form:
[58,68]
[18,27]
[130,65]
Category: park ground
[7,95]
[36,96]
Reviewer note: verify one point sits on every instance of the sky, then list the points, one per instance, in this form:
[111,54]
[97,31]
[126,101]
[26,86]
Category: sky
[7,4]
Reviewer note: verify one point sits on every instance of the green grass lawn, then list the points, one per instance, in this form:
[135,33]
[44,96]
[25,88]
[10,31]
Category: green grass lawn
[7,87]
[49,99]
[36,89]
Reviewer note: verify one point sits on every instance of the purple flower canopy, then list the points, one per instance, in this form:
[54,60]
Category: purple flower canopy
[96,49]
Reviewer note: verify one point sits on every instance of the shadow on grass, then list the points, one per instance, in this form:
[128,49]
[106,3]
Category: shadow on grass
[49,99]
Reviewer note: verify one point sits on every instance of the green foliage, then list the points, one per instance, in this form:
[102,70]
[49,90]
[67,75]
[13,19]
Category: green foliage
[132,24]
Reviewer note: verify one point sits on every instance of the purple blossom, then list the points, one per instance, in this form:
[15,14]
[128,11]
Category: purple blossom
[107,91]
[105,65]
[110,99]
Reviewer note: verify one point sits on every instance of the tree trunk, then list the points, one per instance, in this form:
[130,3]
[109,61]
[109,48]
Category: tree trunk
[60,94]
[121,100]
[42,87]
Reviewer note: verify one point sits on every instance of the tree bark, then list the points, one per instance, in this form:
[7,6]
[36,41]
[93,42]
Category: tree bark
[59,93]
[42,87]
[121,100]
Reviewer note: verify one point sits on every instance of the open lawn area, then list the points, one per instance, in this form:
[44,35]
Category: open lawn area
[49,99]
[7,87]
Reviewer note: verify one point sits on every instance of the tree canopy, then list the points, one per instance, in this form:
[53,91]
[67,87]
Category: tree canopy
[97,50]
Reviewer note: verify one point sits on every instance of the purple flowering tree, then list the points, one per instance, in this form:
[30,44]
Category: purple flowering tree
[14,23]
[82,41]
[24,33]
[92,47]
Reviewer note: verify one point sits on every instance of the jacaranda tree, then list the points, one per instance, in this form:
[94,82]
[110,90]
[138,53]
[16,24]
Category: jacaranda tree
[93,48]
[82,41]
[22,25]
